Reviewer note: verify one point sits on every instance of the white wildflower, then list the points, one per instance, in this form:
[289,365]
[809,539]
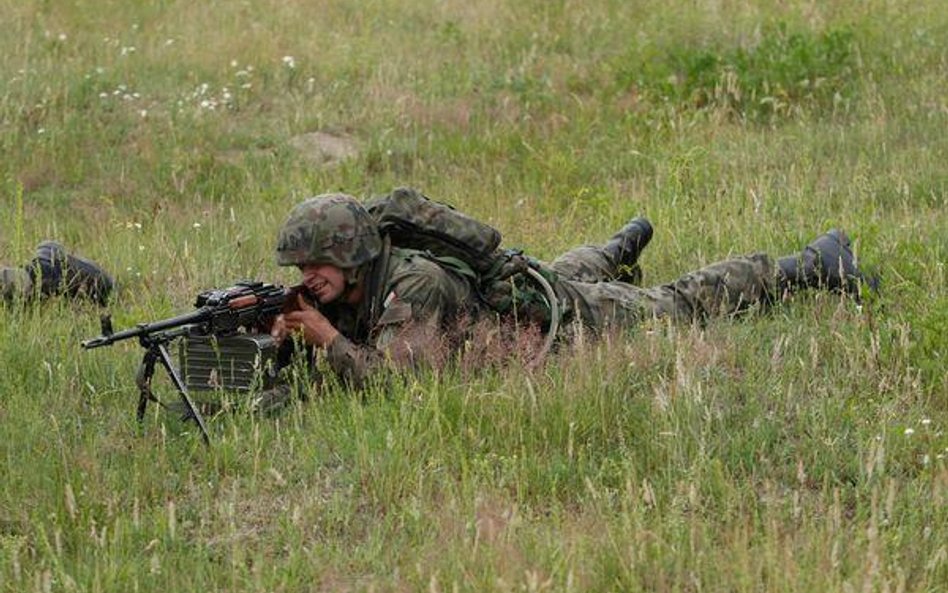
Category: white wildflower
[169,41]
[909,432]
[143,113]
[233,63]
[926,421]
[62,37]
[196,225]
[128,50]
[289,62]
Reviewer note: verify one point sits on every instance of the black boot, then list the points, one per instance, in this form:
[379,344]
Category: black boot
[827,263]
[56,271]
[625,247]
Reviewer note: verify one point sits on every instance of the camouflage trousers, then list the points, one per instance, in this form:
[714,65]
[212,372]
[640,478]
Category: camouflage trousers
[590,295]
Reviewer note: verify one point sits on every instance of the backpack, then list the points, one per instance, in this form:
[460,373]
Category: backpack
[504,279]
[414,221]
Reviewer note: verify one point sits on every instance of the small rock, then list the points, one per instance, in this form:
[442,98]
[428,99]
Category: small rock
[325,149]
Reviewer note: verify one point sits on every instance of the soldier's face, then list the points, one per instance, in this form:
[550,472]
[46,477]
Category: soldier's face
[326,282]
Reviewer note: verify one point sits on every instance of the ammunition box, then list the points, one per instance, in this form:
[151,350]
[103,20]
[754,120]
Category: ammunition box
[238,362]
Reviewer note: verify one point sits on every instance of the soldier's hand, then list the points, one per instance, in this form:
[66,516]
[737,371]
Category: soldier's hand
[312,325]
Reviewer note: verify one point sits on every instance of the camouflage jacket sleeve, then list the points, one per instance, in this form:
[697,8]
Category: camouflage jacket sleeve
[421,299]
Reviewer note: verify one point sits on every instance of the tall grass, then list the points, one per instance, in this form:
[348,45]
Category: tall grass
[802,450]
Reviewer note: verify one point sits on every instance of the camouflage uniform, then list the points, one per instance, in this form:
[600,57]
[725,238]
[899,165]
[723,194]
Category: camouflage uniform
[722,288]
[407,321]
[422,300]
[414,302]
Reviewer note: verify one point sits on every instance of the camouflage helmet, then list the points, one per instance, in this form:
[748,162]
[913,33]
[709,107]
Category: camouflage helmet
[329,229]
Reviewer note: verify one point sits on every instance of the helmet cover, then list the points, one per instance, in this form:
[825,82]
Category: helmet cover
[329,229]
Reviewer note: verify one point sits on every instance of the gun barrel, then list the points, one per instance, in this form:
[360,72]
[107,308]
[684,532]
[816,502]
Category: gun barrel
[96,342]
[144,329]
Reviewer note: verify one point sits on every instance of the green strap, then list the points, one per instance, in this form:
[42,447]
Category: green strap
[456,264]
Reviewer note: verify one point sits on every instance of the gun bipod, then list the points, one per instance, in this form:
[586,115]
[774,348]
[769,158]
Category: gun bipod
[156,350]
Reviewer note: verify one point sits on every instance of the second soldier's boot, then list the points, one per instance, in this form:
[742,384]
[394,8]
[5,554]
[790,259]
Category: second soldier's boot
[826,263]
[56,271]
[626,246]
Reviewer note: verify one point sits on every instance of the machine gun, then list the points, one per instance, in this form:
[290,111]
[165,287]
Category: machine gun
[225,343]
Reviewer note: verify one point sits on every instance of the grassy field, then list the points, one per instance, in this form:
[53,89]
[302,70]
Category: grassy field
[803,450]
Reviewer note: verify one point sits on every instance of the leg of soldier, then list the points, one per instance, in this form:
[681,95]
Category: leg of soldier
[588,263]
[15,283]
[722,288]
[598,306]
[616,260]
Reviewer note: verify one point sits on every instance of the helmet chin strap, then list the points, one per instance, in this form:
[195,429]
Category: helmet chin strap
[353,278]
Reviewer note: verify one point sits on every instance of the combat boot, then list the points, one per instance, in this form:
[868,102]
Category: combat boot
[827,263]
[626,246]
[55,271]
